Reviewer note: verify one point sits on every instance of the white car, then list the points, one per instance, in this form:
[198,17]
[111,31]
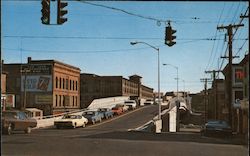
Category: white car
[148,102]
[71,121]
[130,103]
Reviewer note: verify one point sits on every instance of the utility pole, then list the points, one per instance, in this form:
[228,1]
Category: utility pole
[205,80]
[230,34]
[215,90]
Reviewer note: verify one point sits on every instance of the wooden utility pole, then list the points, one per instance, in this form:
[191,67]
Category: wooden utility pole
[215,91]
[205,80]
[230,34]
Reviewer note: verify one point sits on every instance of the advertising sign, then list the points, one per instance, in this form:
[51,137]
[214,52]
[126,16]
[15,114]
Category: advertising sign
[8,100]
[42,69]
[238,75]
[37,83]
[43,99]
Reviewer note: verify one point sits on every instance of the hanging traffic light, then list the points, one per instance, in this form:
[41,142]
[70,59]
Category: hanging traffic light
[169,38]
[61,12]
[45,12]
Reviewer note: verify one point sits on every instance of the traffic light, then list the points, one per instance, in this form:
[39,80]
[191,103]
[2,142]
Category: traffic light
[61,12]
[169,38]
[45,12]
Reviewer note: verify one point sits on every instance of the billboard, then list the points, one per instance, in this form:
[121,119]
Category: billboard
[37,83]
[8,100]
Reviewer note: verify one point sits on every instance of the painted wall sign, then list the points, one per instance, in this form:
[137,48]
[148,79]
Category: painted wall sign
[37,83]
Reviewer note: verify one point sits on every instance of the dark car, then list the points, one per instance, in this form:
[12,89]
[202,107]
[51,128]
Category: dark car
[15,120]
[216,128]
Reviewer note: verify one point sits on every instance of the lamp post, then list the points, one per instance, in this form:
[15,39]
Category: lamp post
[159,101]
[176,78]
[177,102]
[25,71]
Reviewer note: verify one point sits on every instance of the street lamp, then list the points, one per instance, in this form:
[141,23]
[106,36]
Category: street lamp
[177,101]
[158,52]
[176,78]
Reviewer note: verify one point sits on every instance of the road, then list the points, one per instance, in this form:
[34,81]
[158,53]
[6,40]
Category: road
[111,138]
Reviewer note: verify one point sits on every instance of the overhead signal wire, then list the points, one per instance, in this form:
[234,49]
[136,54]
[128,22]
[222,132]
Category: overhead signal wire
[212,51]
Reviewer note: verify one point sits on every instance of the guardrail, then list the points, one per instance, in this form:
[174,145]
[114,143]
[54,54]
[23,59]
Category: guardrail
[48,121]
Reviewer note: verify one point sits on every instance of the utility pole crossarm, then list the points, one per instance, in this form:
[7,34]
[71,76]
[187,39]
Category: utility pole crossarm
[230,26]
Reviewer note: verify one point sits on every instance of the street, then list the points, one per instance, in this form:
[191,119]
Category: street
[112,138]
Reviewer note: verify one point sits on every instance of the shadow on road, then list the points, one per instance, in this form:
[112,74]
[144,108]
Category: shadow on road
[175,137]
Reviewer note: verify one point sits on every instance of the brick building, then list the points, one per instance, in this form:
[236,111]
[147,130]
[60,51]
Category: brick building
[217,106]
[49,85]
[94,86]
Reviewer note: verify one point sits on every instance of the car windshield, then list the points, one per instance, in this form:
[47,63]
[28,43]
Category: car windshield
[70,117]
[216,122]
[129,102]
[89,113]
[9,114]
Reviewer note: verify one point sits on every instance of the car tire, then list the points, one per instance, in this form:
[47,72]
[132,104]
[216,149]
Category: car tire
[74,125]
[28,130]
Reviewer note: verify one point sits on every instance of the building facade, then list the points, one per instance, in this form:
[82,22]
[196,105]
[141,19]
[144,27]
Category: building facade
[240,87]
[49,85]
[216,103]
[94,87]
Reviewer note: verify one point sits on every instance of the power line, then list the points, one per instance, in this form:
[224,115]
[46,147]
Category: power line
[212,51]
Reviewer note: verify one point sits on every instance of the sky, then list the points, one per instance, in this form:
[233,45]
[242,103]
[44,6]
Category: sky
[96,38]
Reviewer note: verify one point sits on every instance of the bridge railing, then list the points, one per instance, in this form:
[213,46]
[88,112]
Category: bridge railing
[48,121]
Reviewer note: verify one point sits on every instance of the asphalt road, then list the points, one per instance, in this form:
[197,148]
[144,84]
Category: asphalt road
[111,138]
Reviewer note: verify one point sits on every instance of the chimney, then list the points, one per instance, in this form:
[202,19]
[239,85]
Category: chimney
[29,59]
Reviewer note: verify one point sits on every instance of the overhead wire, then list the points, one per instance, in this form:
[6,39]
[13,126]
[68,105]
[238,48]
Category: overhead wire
[212,51]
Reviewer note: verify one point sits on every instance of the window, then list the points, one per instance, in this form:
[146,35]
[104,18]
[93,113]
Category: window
[56,82]
[73,88]
[60,85]
[63,83]
[56,101]
[59,100]
[67,84]
[76,85]
[70,83]
[73,100]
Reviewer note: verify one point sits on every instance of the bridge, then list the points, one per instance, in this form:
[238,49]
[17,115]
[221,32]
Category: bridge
[48,121]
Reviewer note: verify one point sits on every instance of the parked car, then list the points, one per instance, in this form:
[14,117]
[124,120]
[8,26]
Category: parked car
[123,106]
[216,127]
[107,113]
[131,104]
[148,102]
[93,116]
[117,110]
[15,120]
[71,121]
